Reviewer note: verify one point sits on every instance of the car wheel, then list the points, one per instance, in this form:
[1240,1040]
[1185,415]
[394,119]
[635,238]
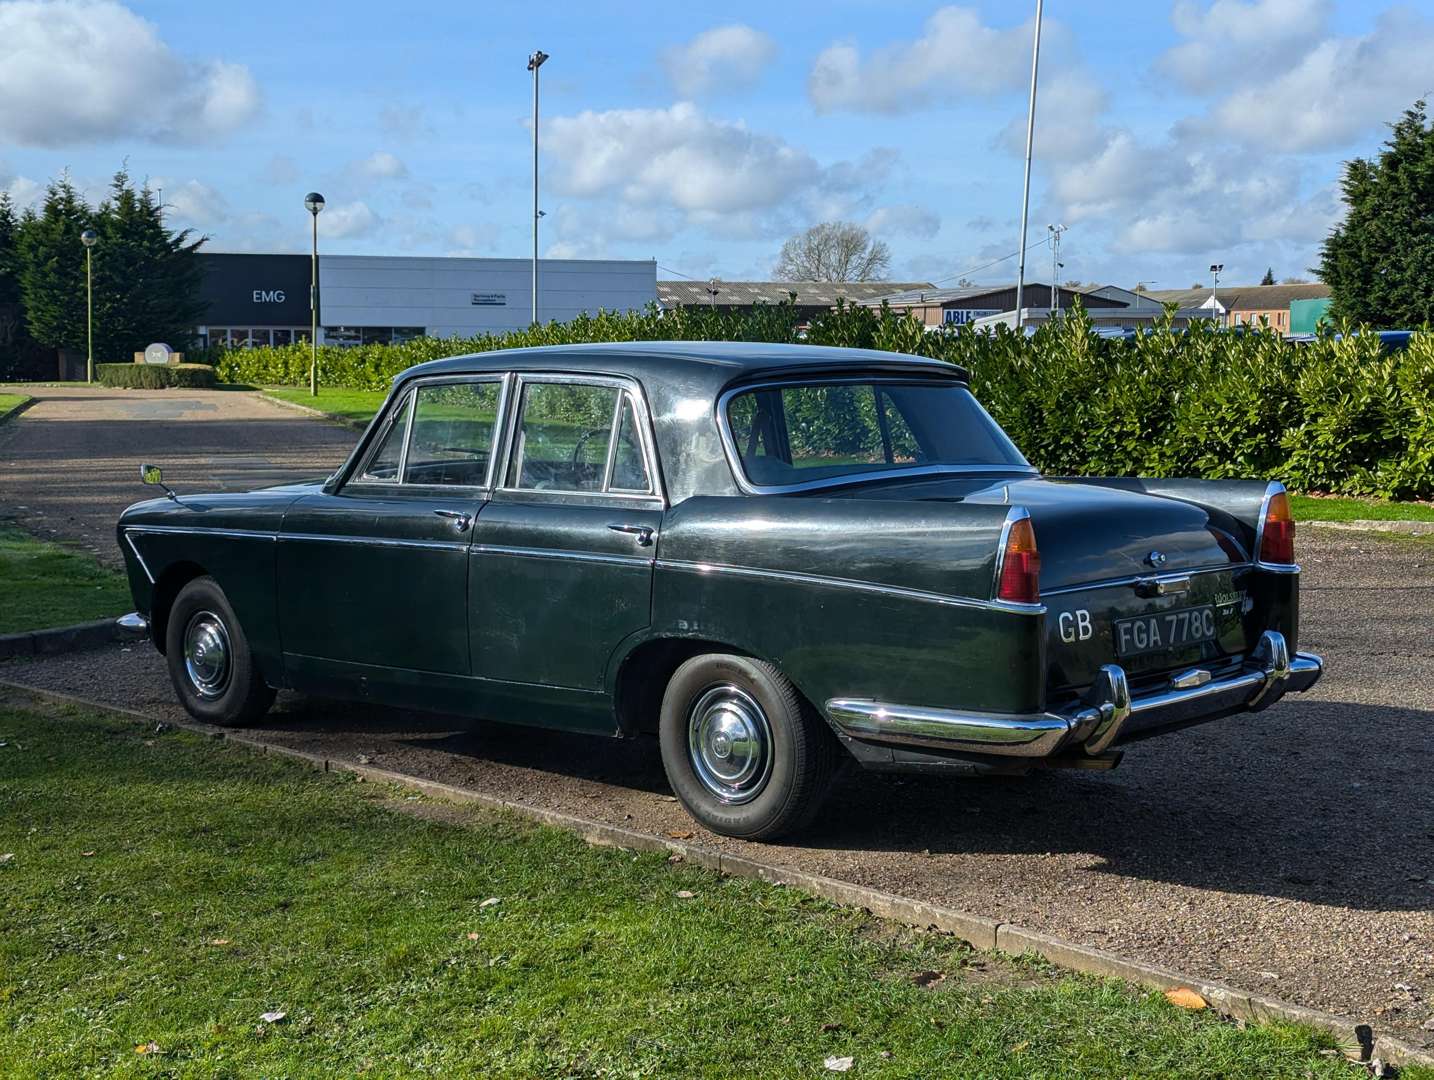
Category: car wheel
[209,660]
[743,752]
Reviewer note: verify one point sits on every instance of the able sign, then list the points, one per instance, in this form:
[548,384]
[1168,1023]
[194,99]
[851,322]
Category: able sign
[158,353]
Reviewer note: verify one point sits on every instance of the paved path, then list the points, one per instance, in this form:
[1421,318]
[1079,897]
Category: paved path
[1290,851]
[70,462]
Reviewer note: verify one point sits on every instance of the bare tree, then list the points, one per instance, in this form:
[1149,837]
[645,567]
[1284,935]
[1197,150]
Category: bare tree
[833,251]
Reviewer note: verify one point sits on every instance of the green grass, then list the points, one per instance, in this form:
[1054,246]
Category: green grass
[1308,508]
[11,401]
[43,584]
[353,405]
[169,889]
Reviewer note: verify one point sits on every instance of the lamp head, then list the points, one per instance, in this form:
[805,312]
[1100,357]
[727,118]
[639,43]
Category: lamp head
[536,60]
[89,238]
[313,202]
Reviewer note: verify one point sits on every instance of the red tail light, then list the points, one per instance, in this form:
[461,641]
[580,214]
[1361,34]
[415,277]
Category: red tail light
[1020,565]
[1277,531]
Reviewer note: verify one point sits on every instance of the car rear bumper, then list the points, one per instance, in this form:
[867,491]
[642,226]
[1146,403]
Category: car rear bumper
[1107,715]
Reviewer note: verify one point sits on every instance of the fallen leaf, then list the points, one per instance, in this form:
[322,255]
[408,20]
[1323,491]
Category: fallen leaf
[472,935]
[680,835]
[490,902]
[928,978]
[1020,1046]
[7,856]
[1186,998]
[86,854]
[837,1064]
[147,1048]
[831,1027]
[364,759]
[685,894]
[273,1017]
[667,798]
[220,941]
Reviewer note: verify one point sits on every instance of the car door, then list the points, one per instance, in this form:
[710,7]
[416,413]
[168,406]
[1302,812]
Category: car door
[373,577]
[563,553]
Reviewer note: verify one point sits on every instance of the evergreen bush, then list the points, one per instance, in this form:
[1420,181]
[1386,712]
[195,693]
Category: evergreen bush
[155,376]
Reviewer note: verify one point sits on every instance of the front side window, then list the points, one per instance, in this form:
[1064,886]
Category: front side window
[827,430]
[383,463]
[452,437]
[565,440]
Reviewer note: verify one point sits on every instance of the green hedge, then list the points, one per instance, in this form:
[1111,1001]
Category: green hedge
[155,376]
[1334,415]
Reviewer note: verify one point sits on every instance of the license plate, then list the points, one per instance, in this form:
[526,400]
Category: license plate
[1165,631]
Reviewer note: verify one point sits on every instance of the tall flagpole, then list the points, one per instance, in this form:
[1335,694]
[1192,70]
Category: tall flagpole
[1026,185]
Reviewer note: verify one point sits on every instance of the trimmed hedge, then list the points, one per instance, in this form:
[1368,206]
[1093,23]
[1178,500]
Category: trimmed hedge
[155,376]
[1334,414]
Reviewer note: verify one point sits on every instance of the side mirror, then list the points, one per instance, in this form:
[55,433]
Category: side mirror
[151,474]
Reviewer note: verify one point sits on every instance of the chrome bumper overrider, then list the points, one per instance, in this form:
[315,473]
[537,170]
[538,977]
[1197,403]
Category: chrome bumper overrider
[1096,724]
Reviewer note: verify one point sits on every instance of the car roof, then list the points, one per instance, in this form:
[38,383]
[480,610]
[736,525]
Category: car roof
[712,364]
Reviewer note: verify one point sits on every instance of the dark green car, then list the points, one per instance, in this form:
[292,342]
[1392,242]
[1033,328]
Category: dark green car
[774,557]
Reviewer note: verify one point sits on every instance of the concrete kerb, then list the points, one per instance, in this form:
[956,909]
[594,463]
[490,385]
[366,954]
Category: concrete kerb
[317,414]
[16,409]
[1357,1040]
[59,639]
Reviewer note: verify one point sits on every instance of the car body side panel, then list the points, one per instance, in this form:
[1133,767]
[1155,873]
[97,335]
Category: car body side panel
[894,607]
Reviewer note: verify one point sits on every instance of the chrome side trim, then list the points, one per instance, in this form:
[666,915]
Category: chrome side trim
[1136,579]
[847,583]
[557,553]
[1278,568]
[186,530]
[1013,735]
[129,539]
[372,541]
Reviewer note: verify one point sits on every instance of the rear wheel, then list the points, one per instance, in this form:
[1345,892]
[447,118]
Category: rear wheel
[743,752]
[209,660]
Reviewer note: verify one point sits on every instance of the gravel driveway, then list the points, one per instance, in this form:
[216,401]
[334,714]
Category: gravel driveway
[70,462]
[1290,852]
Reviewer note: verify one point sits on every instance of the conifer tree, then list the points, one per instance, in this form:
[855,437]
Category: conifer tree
[52,267]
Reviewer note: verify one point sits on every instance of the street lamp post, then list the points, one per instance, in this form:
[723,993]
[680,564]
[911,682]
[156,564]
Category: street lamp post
[89,238]
[314,202]
[712,291]
[1215,269]
[535,61]
[1026,184]
[1055,231]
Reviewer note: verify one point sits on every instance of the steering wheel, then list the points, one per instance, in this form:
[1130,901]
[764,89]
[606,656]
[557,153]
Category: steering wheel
[583,441]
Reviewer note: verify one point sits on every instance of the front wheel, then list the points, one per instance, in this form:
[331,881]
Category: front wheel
[743,752]
[209,660]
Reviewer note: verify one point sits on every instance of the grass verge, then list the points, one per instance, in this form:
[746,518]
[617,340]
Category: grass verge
[1330,508]
[161,892]
[354,406]
[43,584]
[10,402]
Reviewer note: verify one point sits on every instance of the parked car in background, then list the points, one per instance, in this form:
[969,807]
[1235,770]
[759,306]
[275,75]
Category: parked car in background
[775,558]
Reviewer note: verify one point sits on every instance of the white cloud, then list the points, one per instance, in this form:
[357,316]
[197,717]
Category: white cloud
[906,219]
[380,165]
[1233,39]
[1339,90]
[724,58]
[349,220]
[957,54]
[193,202]
[77,71]
[675,157]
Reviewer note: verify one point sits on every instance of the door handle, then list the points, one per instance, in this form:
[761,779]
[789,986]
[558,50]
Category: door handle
[643,533]
[459,519]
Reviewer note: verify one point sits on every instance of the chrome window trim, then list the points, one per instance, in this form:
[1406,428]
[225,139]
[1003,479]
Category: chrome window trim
[561,553]
[361,473]
[739,473]
[641,416]
[847,583]
[1273,488]
[1136,579]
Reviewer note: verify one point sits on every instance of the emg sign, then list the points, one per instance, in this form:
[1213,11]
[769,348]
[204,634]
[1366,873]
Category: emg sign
[268,296]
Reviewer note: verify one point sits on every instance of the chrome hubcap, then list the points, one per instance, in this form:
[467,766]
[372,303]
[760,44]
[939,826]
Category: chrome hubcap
[730,743]
[206,654]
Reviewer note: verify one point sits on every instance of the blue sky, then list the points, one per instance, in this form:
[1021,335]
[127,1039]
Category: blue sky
[1169,135]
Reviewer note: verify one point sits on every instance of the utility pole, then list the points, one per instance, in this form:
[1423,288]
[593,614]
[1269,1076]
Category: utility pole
[1026,183]
[534,63]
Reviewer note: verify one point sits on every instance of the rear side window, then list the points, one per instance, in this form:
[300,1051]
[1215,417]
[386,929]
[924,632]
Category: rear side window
[578,437]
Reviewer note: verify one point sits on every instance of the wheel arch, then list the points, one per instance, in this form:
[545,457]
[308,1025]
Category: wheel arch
[167,586]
